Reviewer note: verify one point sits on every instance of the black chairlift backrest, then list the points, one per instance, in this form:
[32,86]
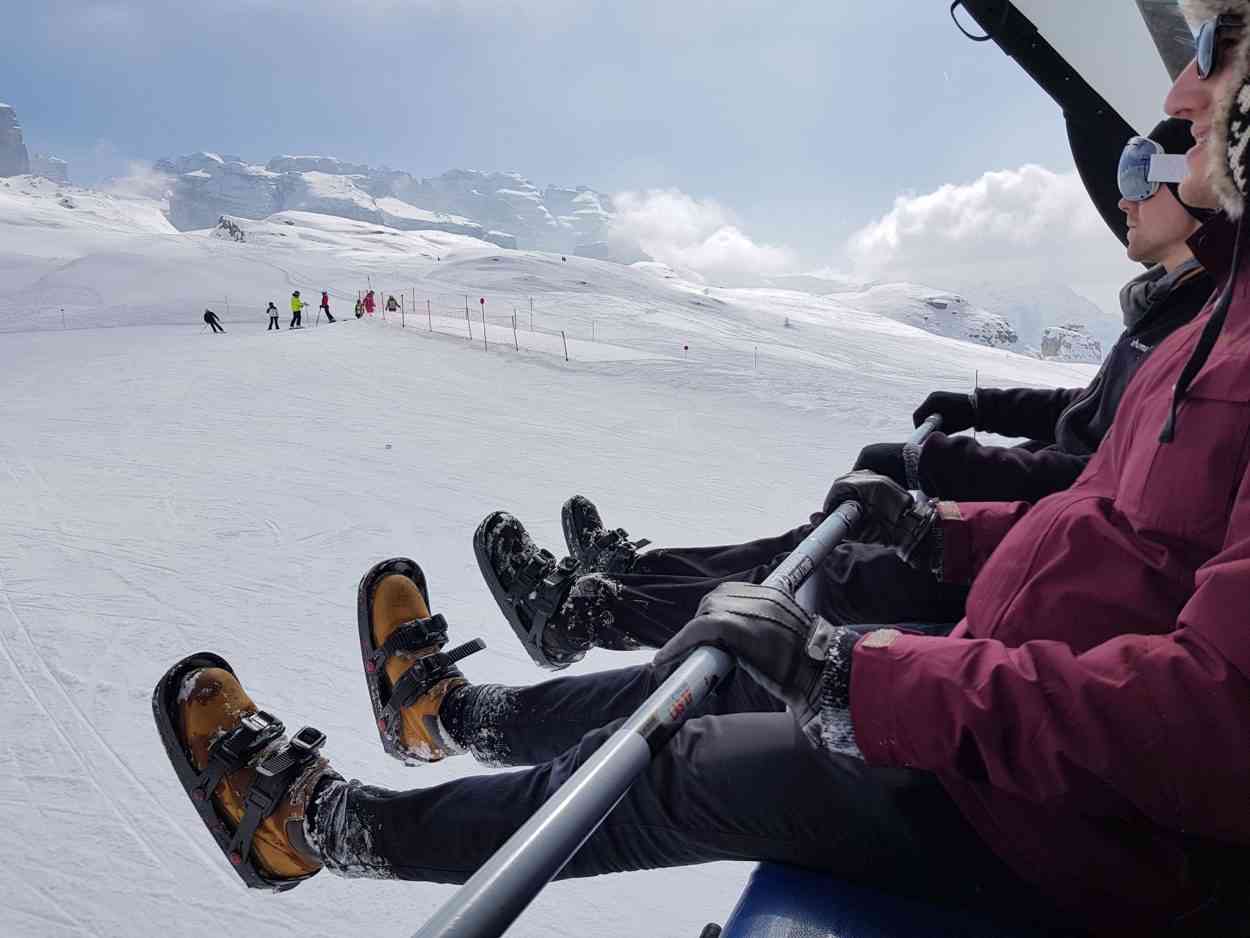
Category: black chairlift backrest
[1096,132]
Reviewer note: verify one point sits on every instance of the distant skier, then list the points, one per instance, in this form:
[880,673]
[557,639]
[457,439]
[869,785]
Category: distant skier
[272,313]
[360,308]
[211,318]
[392,305]
[370,303]
[325,306]
[297,308]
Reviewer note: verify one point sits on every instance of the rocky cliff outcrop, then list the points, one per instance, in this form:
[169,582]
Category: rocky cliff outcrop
[553,219]
[316,164]
[1070,342]
[14,157]
[208,186]
[504,208]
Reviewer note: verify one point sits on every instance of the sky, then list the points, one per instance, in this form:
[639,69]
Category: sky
[776,135]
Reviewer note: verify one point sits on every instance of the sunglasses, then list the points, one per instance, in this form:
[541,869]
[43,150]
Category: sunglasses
[1207,42]
[1144,167]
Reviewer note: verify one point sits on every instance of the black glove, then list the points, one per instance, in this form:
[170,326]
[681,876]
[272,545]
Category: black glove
[884,459]
[891,516]
[958,410]
[796,656]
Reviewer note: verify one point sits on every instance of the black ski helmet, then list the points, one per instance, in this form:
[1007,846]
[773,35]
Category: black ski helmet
[1174,136]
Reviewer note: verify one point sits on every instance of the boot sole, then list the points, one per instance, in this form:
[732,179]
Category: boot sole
[568,524]
[378,695]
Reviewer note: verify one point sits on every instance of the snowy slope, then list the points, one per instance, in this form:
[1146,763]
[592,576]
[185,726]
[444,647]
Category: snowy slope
[164,491]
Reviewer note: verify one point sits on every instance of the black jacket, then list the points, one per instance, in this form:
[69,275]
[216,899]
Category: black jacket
[1064,426]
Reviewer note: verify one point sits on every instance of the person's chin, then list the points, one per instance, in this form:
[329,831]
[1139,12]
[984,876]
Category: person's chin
[1198,194]
[1138,249]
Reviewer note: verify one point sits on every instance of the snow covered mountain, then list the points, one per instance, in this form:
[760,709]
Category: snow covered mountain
[207,186]
[1033,307]
[1049,320]
[503,208]
[938,312]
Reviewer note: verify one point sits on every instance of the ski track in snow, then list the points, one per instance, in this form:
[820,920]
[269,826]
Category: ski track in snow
[163,492]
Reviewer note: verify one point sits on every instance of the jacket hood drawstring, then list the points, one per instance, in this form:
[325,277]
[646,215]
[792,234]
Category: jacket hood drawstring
[1206,342]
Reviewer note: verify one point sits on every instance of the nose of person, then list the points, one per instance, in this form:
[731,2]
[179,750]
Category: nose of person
[1189,97]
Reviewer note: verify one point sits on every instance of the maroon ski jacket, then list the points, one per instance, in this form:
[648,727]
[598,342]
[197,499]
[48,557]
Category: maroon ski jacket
[1091,715]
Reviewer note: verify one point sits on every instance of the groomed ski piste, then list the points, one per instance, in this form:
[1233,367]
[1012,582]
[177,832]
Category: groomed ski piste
[164,490]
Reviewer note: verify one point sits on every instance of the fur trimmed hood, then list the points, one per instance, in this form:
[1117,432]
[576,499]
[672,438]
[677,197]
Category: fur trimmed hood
[1229,155]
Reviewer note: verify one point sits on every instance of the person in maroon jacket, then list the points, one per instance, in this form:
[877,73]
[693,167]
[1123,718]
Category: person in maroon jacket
[1074,755]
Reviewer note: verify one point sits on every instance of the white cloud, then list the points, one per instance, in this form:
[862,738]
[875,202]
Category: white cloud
[1023,225]
[140,182]
[682,231]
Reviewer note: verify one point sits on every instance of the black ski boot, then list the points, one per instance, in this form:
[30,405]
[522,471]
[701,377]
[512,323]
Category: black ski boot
[531,587]
[596,549]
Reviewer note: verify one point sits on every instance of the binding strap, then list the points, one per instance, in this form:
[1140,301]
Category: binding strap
[410,637]
[274,776]
[622,550]
[424,674]
[542,595]
[236,749]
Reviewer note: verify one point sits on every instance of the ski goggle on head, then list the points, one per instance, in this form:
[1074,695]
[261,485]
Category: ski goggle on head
[1144,167]
[1207,42]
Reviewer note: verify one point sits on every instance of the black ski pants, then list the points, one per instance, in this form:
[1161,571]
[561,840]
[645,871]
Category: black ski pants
[858,583]
[295,320]
[273,324]
[214,324]
[326,310]
[737,782]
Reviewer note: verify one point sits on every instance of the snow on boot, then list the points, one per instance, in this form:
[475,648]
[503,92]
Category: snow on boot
[248,781]
[407,672]
[530,588]
[596,549]
[588,612]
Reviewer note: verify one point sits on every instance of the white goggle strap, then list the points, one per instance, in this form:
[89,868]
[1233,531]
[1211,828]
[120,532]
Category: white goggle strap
[1167,167]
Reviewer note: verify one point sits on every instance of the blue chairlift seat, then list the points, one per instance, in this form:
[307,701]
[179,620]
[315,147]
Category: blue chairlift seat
[784,902]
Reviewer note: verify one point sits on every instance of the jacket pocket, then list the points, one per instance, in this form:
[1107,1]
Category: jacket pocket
[1186,488]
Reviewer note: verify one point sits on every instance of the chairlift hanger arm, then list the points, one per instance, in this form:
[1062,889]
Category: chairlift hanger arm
[1096,132]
